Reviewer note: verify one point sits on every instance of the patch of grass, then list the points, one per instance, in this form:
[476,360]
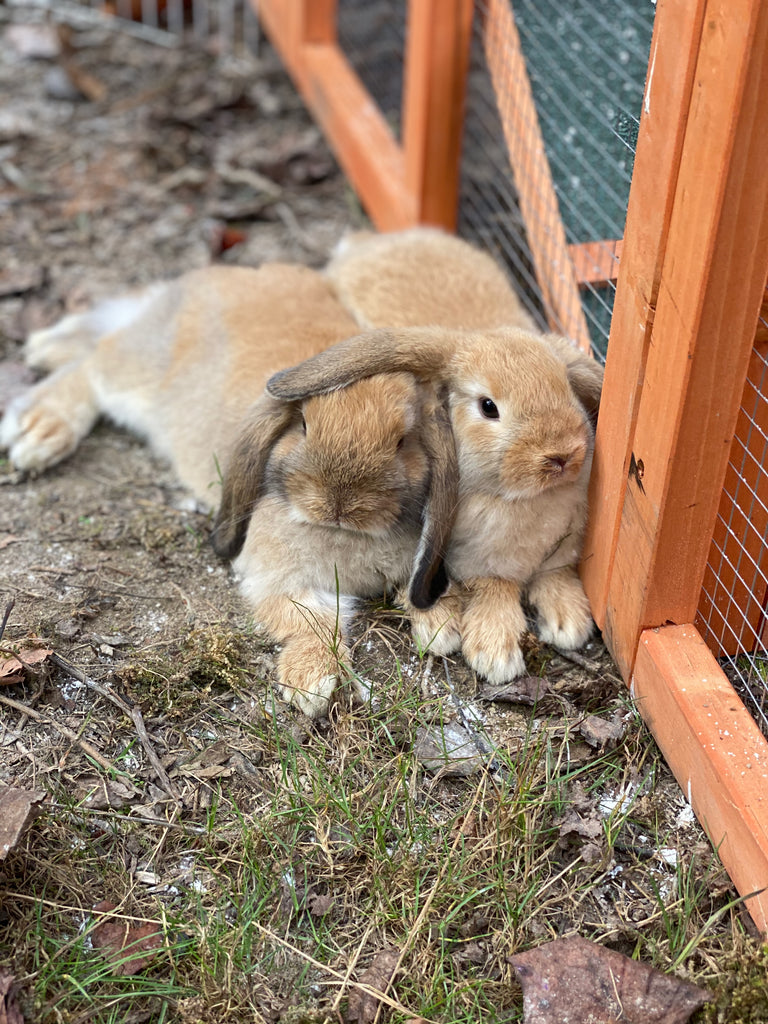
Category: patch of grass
[277,884]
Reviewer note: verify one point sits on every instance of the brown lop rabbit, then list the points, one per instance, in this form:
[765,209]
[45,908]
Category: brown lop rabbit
[322,501]
[520,407]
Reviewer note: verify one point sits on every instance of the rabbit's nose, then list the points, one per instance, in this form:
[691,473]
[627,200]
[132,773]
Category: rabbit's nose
[557,463]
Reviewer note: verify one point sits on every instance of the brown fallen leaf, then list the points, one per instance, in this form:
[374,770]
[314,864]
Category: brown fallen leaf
[362,1006]
[575,980]
[319,906]
[129,948]
[18,807]
[525,690]
[12,670]
[10,1013]
[599,733]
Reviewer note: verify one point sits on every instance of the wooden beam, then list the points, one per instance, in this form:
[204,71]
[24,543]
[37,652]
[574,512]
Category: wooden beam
[318,23]
[533,177]
[438,37]
[354,126]
[668,88]
[717,753]
[710,293]
[596,263]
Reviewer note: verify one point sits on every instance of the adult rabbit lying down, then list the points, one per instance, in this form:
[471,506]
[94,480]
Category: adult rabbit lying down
[322,501]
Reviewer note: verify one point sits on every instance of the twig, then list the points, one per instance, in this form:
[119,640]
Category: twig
[578,659]
[84,745]
[131,712]
[6,616]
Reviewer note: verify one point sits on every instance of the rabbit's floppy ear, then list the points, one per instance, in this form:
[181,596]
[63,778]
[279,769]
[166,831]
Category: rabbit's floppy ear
[429,579]
[585,374]
[422,351]
[265,422]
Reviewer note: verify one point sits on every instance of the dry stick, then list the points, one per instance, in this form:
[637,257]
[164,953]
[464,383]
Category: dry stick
[350,967]
[6,616]
[369,990]
[84,745]
[132,712]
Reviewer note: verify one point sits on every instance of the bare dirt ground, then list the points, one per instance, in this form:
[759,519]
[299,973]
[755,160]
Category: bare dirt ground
[266,851]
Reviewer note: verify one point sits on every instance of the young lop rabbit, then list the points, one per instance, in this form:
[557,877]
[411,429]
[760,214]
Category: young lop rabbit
[520,408]
[322,500]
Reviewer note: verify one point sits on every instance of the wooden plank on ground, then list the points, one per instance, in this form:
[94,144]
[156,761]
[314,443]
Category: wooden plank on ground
[710,293]
[717,753]
[674,48]
[533,177]
[439,33]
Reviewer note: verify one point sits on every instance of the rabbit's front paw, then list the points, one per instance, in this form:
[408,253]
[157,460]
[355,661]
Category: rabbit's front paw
[564,619]
[308,674]
[437,629]
[492,624]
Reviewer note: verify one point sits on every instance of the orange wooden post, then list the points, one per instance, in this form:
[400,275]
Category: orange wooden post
[674,48]
[717,753]
[439,33]
[533,178]
[710,291]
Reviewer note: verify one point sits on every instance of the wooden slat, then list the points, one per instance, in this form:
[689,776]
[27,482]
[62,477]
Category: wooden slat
[319,21]
[731,614]
[533,177]
[354,126]
[710,292]
[668,88]
[439,33]
[717,753]
[761,337]
[596,263]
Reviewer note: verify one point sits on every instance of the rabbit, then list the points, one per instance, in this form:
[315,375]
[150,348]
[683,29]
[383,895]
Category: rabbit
[320,502]
[521,405]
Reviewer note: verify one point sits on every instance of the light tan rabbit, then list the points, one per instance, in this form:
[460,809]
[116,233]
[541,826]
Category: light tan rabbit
[322,501]
[520,406]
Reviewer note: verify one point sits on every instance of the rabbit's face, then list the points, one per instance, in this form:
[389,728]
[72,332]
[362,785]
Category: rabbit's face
[354,459]
[519,429]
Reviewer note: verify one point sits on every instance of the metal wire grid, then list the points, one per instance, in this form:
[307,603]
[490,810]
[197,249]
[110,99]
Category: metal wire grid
[586,62]
[372,35]
[735,592]
[232,23]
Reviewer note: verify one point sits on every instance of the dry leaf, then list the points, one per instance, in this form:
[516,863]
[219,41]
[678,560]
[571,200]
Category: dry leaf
[574,981]
[362,1006]
[525,690]
[18,807]
[448,749]
[9,1007]
[12,669]
[319,906]
[599,733]
[129,948]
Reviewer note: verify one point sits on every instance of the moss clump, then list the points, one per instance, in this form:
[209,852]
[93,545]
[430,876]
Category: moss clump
[741,994]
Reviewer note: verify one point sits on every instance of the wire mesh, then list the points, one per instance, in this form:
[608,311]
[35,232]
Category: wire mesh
[372,35]
[732,612]
[586,62]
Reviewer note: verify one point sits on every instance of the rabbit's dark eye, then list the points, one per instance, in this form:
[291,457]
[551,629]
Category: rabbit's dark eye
[488,409]
[303,425]
[400,443]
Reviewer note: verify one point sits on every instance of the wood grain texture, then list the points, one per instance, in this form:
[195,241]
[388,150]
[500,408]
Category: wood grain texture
[439,33]
[672,63]
[711,288]
[717,753]
[596,263]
